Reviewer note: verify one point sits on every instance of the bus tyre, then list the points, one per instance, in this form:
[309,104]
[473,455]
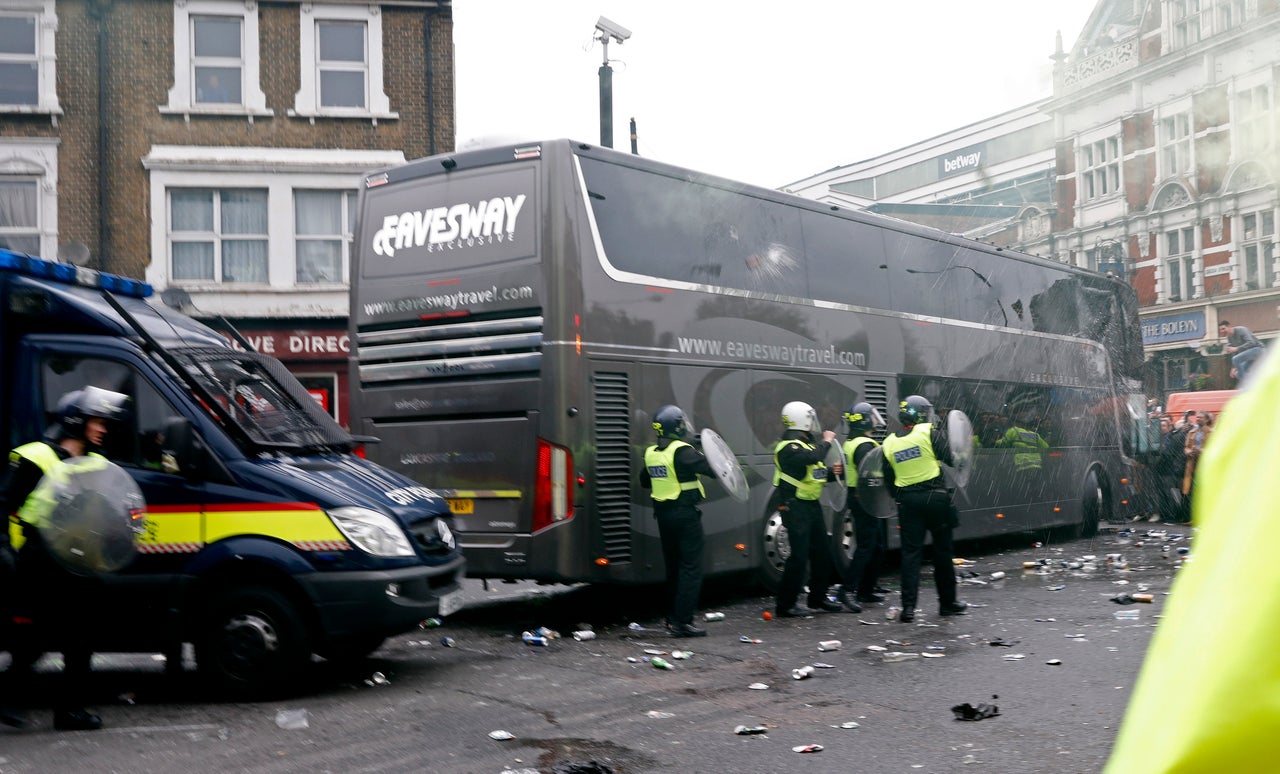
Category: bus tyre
[1094,505]
[843,543]
[774,550]
[253,644]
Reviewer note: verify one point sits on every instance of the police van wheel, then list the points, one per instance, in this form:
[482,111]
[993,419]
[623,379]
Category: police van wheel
[253,643]
[774,550]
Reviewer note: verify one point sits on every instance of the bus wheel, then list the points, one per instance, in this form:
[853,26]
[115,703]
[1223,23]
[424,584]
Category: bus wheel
[775,548]
[1095,503]
[253,644]
[842,540]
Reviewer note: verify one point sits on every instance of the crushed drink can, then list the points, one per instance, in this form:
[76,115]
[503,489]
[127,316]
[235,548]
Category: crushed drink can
[997,575]
[1143,597]
[807,748]
[713,616]
[826,645]
[534,639]
[1030,565]
[750,730]
[543,631]
[430,623]
[584,635]
[802,673]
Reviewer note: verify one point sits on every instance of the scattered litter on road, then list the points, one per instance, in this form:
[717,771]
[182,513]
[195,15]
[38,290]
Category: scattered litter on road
[1075,636]
[802,673]
[1054,662]
[430,623]
[820,665]
[970,758]
[807,748]
[749,640]
[501,736]
[534,639]
[584,635]
[661,663]
[999,642]
[292,720]
[849,724]
[933,655]
[1059,587]
[1014,656]
[713,616]
[659,714]
[377,678]
[1127,615]
[1046,620]
[827,645]
[997,575]
[865,622]
[448,642]
[876,648]
[969,711]
[655,652]
[758,687]
[897,655]
[750,730]
[681,654]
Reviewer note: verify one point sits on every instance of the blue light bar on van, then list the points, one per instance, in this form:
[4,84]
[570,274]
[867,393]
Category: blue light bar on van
[72,275]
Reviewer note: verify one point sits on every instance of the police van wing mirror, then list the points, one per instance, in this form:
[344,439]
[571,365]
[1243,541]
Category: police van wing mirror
[182,451]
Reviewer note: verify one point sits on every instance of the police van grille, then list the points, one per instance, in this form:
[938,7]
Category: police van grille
[613,463]
[877,394]
[428,350]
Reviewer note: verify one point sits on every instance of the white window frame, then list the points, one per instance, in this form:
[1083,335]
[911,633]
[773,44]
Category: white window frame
[1185,22]
[1177,150]
[1256,248]
[306,103]
[214,236]
[1252,120]
[1229,14]
[45,56]
[1180,263]
[1099,169]
[36,158]
[281,171]
[181,95]
[345,238]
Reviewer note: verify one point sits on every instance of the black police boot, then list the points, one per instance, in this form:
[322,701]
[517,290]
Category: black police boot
[825,605]
[907,615]
[870,599]
[847,601]
[880,590]
[687,630]
[76,720]
[955,608]
[795,611]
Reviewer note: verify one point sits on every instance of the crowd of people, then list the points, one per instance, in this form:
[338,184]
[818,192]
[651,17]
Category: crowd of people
[1169,477]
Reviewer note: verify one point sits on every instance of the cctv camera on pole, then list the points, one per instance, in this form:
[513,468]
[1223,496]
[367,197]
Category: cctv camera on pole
[607,30]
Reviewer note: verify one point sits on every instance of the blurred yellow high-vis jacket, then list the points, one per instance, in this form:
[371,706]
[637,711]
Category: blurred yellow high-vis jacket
[1208,696]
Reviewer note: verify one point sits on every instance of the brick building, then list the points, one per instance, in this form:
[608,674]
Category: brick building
[213,148]
[1163,166]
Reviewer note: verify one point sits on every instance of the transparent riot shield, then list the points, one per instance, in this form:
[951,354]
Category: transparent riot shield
[873,490]
[90,514]
[960,438]
[725,463]
[836,490]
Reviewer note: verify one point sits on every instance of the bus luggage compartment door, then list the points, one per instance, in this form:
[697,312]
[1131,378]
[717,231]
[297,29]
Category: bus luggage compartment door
[485,467]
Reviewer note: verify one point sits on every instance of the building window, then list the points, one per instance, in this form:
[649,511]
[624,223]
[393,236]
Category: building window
[215,58]
[341,62]
[1230,14]
[1100,168]
[20,214]
[1180,262]
[323,225]
[1175,140]
[1255,247]
[1175,373]
[27,76]
[1253,120]
[1185,18]
[218,235]
[217,62]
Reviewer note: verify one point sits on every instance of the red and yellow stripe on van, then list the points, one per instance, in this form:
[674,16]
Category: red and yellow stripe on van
[186,529]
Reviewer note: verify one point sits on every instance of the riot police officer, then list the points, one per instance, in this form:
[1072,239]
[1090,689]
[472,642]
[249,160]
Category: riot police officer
[912,471]
[671,468]
[799,474]
[58,602]
[871,535]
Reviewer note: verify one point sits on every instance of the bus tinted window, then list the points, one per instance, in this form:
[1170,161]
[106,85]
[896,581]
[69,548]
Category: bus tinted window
[846,258]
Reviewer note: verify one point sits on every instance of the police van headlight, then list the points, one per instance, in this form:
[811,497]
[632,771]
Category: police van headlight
[446,534]
[370,531]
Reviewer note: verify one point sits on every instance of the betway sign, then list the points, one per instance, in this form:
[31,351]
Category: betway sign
[964,160]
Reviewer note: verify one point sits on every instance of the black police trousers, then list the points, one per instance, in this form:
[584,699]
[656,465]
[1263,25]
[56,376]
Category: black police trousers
[870,538]
[931,512]
[680,527]
[811,549]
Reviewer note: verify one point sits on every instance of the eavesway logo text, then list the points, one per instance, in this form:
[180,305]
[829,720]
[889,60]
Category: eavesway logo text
[439,228]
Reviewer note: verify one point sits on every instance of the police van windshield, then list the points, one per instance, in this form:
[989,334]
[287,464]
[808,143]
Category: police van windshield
[263,400]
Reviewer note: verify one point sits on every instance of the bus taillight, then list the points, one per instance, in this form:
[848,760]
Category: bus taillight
[552,495]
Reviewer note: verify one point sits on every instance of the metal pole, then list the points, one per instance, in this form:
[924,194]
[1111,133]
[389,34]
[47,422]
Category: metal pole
[634,150]
[606,105]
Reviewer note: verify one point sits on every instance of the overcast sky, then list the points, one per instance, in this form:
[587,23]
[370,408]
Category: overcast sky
[766,93]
